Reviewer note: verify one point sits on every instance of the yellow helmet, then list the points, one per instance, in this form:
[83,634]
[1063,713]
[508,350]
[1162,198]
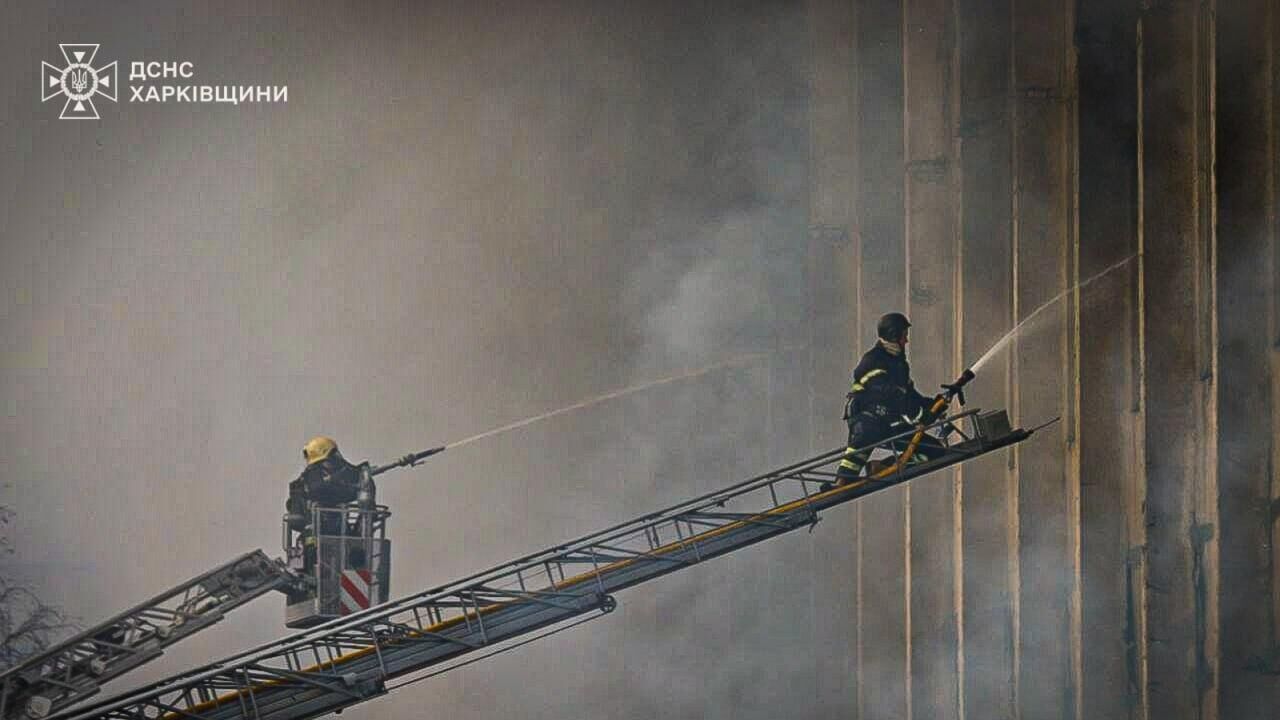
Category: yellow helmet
[318,448]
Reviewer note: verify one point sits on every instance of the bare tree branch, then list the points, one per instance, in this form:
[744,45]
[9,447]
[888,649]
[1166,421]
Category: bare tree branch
[28,625]
[6,517]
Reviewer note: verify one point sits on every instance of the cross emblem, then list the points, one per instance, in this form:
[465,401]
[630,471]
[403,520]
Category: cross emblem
[79,81]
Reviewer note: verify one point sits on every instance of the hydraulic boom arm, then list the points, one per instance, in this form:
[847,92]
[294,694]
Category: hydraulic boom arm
[74,670]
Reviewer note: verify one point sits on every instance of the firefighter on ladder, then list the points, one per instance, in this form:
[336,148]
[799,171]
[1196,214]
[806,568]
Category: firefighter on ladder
[883,402]
[327,480]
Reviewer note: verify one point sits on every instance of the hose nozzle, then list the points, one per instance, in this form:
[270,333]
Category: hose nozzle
[408,460]
[956,389]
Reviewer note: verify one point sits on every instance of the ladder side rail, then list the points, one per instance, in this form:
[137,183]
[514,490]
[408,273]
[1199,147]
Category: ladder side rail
[402,654]
[452,605]
[523,563]
[283,645]
[716,498]
[801,471]
[439,598]
[284,703]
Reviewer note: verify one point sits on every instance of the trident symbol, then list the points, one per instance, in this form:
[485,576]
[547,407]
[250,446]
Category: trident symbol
[79,80]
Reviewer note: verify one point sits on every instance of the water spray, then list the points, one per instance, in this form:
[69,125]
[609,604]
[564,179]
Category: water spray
[1002,342]
[954,390]
[415,459]
[739,360]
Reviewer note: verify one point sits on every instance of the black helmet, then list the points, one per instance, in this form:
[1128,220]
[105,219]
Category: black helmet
[892,326]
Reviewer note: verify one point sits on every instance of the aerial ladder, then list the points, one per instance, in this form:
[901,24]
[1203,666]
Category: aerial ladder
[366,653]
[75,669]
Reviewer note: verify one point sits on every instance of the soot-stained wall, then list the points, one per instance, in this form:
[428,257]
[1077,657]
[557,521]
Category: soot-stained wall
[1117,161]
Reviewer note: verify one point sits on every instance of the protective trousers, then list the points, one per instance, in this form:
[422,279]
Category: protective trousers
[865,431]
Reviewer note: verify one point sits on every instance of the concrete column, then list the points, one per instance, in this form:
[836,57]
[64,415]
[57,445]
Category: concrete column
[1246,296]
[1106,37]
[833,282]
[932,253]
[986,303]
[883,593]
[1273,261]
[1043,385]
[1179,359]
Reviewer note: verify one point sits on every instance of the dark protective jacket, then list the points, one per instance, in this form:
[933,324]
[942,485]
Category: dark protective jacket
[882,387]
[332,481]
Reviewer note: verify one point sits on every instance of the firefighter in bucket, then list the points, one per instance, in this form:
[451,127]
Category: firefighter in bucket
[327,480]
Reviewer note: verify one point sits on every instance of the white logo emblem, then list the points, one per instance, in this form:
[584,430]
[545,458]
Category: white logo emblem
[79,81]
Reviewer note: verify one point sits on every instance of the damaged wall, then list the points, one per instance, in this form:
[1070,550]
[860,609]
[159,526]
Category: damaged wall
[1122,563]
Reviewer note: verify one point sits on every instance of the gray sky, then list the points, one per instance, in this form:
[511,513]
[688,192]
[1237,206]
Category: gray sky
[464,215]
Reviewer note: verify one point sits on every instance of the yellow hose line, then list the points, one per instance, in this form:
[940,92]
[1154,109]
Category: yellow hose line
[911,448]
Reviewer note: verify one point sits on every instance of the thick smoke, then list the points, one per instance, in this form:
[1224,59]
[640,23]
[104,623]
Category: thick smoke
[463,216]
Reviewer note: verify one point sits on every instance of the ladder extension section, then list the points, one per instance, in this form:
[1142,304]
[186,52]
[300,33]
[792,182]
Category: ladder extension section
[351,659]
[74,670]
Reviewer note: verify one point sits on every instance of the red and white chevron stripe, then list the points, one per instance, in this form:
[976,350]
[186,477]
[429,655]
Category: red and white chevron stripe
[355,589]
